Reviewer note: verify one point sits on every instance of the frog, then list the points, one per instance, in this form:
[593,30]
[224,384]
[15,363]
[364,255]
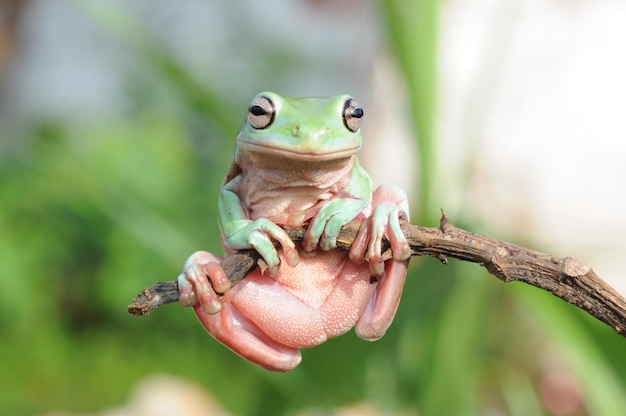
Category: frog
[295,165]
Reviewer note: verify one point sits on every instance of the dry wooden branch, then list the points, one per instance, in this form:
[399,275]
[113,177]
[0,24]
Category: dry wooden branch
[566,278]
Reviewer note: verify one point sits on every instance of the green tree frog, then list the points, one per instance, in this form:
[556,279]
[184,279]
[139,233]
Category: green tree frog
[296,164]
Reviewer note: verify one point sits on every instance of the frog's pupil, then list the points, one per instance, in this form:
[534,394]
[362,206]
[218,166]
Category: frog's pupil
[357,112]
[257,110]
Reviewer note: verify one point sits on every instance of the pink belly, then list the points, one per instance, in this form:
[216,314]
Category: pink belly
[322,297]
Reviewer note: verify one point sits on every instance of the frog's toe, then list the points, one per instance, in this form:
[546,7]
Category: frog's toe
[401,249]
[399,246]
[263,245]
[219,280]
[291,256]
[186,292]
[331,231]
[328,243]
[360,243]
[311,238]
[377,267]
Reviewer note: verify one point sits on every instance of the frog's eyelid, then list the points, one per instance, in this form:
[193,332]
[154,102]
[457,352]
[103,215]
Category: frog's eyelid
[352,115]
[261,112]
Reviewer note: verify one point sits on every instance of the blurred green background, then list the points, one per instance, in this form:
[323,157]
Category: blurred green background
[97,202]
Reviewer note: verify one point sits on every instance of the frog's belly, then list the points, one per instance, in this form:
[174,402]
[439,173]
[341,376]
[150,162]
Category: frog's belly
[322,297]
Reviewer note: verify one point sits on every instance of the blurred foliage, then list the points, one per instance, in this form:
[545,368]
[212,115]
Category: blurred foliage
[91,213]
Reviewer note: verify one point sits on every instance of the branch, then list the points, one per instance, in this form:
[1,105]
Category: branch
[566,278]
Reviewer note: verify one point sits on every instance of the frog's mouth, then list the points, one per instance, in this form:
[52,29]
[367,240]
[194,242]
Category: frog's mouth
[297,155]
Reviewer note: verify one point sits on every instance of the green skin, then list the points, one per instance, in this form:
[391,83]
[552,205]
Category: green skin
[295,164]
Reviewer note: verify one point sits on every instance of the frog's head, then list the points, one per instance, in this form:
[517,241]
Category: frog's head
[309,129]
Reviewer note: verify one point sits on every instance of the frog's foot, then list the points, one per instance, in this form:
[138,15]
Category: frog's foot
[325,226]
[390,205]
[243,337]
[259,235]
[201,281]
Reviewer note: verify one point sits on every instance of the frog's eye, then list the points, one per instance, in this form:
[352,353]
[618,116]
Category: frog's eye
[352,115]
[261,112]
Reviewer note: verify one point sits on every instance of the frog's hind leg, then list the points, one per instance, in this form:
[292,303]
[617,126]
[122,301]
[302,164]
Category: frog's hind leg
[243,337]
[383,306]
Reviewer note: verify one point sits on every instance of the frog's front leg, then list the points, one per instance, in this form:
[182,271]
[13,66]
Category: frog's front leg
[390,205]
[221,318]
[335,213]
[240,232]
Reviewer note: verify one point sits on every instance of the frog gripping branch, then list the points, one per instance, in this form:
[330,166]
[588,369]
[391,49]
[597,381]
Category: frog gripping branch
[295,164]
[333,252]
